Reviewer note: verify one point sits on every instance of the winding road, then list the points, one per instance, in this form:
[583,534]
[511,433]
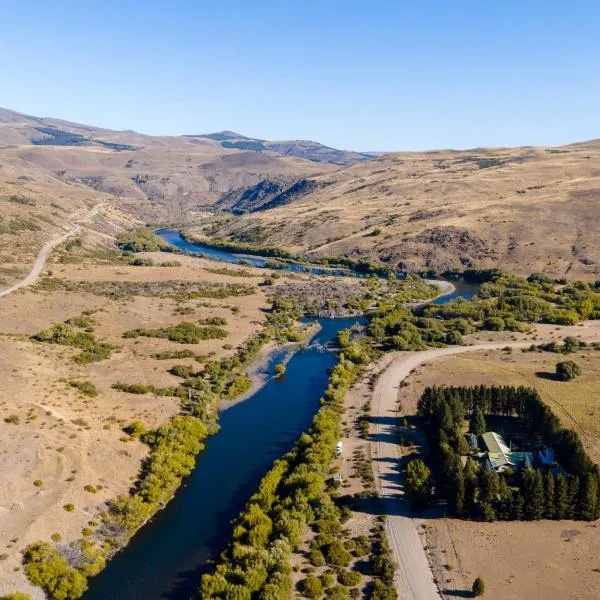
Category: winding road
[44,252]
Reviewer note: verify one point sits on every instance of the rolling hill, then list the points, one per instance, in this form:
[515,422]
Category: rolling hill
[527,209]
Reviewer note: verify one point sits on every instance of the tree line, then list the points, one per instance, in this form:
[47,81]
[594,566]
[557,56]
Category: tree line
[474,491]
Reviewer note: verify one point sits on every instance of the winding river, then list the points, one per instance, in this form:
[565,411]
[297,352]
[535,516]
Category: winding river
[164,560]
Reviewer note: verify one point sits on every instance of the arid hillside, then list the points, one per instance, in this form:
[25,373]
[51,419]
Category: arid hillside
[527,209]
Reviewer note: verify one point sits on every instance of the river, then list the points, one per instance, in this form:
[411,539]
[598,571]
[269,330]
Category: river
[164,560]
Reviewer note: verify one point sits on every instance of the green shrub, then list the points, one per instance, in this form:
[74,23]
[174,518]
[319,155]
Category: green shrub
[64,335]
[12,419]
[46,568]
[567,370]
[316,558]
[349,578]
[238,387]
[142,240]
[85,387]
[311,587]
[16,596]
[184,333]
[69,507]
[478,587]
[336,554]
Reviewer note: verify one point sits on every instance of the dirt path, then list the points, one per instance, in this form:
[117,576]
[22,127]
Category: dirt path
[415,580]
[42,255]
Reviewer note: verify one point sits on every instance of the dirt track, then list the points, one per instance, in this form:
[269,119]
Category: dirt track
[42,255]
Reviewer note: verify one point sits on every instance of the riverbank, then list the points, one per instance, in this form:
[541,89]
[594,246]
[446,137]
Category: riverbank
[261,368]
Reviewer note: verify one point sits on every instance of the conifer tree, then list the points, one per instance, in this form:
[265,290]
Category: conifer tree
[477,424]
[533,494]
[588,497]
[549,493]
[573,496]
[561,498]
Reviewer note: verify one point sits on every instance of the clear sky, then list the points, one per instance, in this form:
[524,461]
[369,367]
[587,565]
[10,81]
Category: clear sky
[365,75]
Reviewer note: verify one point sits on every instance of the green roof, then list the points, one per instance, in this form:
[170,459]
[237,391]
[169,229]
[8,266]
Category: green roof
[491,444]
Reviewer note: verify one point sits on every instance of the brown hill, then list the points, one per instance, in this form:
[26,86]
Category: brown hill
[528,209]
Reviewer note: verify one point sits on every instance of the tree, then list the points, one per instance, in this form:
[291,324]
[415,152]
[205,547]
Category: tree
[280,370]
[478,587]
[533,494]
[416,478]
[561,498]
[549,496]
[16,596]
[567,370]
[477,424]
[588,501]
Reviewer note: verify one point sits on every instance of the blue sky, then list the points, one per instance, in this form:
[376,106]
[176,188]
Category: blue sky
[368,75]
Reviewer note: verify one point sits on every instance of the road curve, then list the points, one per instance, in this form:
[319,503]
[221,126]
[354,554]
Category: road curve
[44,252]
[414,580]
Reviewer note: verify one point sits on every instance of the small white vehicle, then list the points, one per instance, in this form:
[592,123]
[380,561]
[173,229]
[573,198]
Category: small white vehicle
[339,447]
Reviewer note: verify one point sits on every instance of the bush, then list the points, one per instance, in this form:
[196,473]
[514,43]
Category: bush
[69,507]
[494,324]
[184,333]
[349,578]
[336,554]
[85,387]
[46,568]
[238,387]
[280,370]
[567,370]
[478,587]
[311,587]
[316,558]
[16,596]
[12,419]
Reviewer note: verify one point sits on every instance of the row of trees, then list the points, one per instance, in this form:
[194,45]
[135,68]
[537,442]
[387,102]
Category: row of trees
[291,496]
[483,493]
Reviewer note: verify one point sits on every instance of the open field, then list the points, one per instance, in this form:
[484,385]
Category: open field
[544,559]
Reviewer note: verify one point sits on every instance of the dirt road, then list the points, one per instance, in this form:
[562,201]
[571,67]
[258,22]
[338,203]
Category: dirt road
[42,255]
[414,580]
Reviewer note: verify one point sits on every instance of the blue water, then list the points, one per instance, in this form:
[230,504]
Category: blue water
[165,558]
[173,237]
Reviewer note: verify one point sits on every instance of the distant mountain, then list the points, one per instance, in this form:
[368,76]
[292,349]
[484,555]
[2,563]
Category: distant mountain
[300,148]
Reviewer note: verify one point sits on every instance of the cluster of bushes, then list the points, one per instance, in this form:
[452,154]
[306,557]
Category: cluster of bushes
[168,355]
[46,567]
[505,300]
[481,492]
[142,240]
[85,387]
[147,388]
[504,303]
[238,248]
[292,495]
[183,333]
[398,328]
[65,335]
